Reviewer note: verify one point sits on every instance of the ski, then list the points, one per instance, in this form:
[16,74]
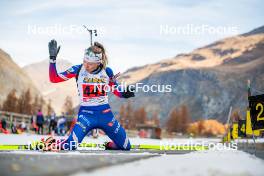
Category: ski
[92,146]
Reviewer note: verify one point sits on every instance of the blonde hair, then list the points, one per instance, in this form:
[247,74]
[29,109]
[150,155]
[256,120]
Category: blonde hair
[98,48]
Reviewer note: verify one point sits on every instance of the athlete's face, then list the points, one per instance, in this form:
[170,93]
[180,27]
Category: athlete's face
[90,66]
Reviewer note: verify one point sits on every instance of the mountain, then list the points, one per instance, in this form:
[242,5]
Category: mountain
[12,76]
[39,73]
[208,80]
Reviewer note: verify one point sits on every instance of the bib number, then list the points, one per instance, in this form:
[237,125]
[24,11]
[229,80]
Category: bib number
[91,91]
[260,113]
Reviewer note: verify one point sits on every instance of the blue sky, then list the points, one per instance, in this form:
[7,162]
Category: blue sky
[132,31]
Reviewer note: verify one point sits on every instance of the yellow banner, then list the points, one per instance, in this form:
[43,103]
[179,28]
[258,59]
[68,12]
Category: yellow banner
[235,131]
[249,130]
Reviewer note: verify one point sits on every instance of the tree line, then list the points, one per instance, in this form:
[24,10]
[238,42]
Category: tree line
[178,118]
[26,103]
[178,121]
[130,117]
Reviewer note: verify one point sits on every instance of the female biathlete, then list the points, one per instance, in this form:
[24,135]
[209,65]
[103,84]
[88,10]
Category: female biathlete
[91,78]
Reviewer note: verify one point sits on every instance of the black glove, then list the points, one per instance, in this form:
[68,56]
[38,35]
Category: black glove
[53,49]
[129,92]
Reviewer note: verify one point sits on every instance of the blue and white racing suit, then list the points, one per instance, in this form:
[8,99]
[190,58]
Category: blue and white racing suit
[94,111]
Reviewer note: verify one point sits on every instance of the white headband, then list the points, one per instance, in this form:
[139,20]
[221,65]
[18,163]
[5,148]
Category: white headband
[90,56]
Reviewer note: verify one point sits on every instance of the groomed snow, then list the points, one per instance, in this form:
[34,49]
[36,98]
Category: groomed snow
[214,162]
[202,163]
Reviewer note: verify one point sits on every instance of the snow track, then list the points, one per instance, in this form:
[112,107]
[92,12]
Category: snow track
[213,162]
